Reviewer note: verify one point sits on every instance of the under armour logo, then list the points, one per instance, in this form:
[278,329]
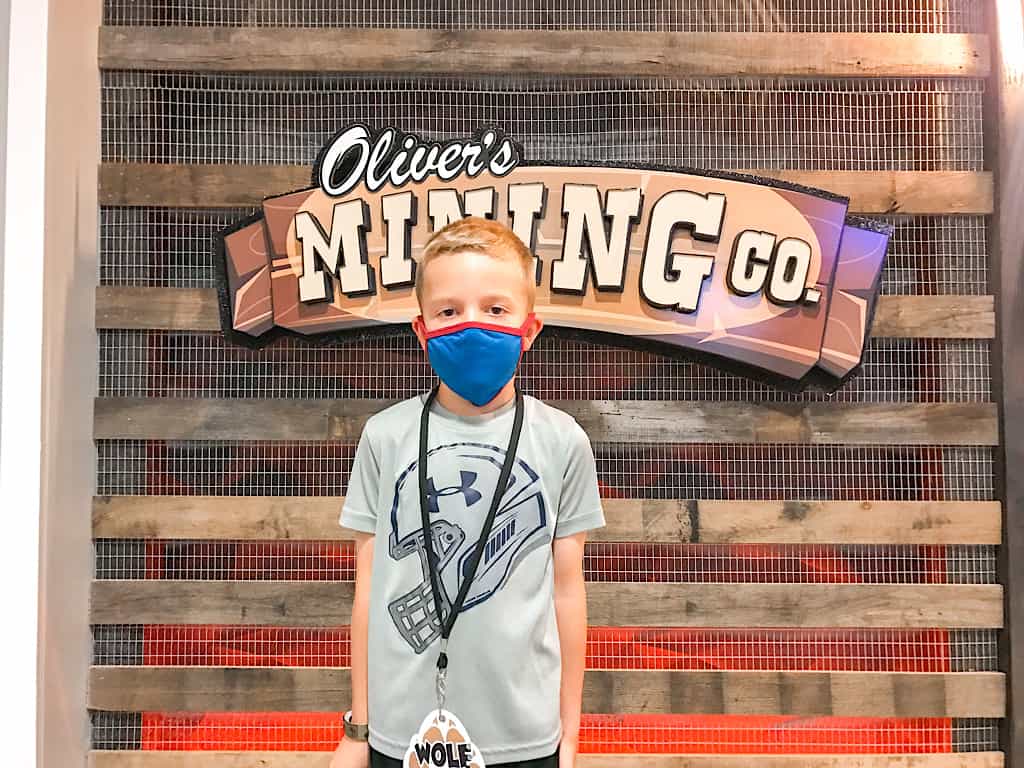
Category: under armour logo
[467,479]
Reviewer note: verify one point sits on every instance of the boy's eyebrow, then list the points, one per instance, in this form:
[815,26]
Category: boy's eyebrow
[486,297]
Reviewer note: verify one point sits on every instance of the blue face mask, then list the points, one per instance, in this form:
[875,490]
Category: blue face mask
[476,359]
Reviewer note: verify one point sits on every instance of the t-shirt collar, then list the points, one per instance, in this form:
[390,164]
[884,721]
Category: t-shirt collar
[473,419]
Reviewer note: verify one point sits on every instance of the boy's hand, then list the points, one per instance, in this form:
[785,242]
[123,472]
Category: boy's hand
[566,754]
[351,754]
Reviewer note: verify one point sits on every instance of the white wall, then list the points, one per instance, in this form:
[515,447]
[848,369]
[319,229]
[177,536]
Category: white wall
[24,41]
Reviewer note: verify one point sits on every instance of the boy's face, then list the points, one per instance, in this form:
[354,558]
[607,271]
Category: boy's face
[467,285]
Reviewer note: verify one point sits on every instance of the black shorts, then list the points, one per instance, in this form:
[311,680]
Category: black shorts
[380,760]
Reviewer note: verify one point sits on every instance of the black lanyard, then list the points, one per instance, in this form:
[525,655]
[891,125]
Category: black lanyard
[499,491]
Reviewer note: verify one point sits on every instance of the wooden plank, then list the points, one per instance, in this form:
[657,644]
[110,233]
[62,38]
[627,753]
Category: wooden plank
[613,604]
[196,309]
[901,760]
[677,521]
[313,419]
[864,522]
[933,317]
[281,759]
[796,605]
[906,192]
[170,309]
[744,692]
[552,52]
[667,421]
[220,186]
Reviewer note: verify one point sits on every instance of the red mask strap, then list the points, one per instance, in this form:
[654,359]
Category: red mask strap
[480,324]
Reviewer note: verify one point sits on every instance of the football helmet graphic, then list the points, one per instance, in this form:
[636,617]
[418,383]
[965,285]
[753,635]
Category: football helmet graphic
[461,482]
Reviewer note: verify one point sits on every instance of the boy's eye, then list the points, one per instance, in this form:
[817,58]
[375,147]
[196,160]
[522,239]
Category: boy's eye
[498,310]
[448,312]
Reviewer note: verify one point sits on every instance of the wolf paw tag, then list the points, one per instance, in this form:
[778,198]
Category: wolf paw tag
[442,743]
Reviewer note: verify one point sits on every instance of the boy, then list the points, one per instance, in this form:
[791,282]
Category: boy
[513,669]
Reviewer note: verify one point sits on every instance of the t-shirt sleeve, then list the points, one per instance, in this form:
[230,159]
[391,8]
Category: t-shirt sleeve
[579,507]
[359,511]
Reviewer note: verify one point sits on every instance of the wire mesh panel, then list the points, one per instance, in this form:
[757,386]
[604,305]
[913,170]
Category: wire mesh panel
[172,364]
[625,470]
[608,734]
[202,560]
[725,123]
[698,16]
[861,650]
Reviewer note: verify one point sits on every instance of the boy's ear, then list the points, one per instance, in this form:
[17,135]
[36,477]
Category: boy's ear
[420,330]
[532,331]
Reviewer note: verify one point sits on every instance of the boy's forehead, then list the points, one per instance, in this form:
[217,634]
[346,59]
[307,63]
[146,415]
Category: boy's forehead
[458,274]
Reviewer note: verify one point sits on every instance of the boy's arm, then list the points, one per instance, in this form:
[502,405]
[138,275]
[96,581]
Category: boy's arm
[359,625]
[359,516]
[571,615]
[579,510]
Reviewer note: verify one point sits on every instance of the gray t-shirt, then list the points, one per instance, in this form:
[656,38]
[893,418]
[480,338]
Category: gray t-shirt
[504,668]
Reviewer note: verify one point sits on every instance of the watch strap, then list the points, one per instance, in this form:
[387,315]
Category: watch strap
[357,731]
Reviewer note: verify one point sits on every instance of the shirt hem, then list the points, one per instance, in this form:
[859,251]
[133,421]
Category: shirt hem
[543,748]
[587,522]
[357,521]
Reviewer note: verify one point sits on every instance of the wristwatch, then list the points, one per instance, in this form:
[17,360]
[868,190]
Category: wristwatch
[356,731]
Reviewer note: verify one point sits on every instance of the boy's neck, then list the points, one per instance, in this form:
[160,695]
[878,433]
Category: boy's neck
[454,402]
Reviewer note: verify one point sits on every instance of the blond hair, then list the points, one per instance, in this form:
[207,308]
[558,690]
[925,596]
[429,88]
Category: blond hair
[473,233]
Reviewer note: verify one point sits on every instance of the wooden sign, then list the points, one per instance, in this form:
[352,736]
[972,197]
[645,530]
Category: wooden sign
[763,277]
